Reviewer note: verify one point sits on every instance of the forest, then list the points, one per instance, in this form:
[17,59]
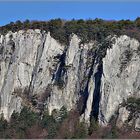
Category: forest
[87,30]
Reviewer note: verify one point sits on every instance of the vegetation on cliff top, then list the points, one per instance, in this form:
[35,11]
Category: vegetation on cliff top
[86,29]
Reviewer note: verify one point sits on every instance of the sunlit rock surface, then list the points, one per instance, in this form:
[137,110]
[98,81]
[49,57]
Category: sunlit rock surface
[77,76]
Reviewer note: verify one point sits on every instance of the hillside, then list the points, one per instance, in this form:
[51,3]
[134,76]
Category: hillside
[70,79]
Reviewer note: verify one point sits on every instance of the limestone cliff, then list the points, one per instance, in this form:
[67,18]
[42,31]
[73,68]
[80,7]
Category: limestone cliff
[36,67]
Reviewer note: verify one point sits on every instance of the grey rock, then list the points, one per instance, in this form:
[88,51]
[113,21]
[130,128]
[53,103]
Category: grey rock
[120,75]
[137,124]
[123,116]
[34,61]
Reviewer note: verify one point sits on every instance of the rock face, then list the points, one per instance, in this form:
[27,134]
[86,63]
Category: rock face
[35,64]
[17,66]
[77,76]
[137,123]
[123,116]
[121,75]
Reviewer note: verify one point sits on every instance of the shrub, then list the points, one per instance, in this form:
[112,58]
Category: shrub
[93,125]
[80,131]
[112,134]
[3,123]
[54,121]
[63,113]
[27,118]
[50,124]
[133,103]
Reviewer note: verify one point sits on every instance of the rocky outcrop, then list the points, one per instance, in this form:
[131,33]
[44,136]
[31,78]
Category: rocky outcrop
[17,67]
[121,71]
[41,67]
[137,123]
[94,77]
[123,116]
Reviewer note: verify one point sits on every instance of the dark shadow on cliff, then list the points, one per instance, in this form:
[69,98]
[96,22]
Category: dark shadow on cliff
[96,94]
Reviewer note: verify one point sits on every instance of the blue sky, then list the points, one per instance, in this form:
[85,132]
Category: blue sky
[12,11]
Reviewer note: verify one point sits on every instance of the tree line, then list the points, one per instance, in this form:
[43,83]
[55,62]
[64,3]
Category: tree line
[87,30]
